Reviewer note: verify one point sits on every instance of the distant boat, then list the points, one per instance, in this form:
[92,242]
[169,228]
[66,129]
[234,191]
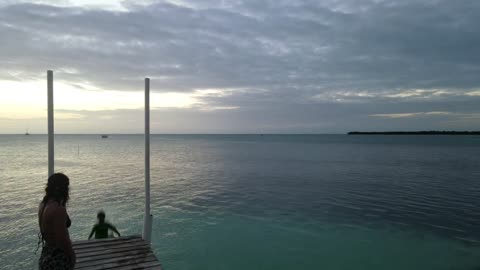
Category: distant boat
[104,136]
[26,133]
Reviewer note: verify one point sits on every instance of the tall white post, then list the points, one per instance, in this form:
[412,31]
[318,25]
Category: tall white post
[51,152]
[147,222]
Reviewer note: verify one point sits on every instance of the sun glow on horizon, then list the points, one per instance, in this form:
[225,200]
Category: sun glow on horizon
[28,100]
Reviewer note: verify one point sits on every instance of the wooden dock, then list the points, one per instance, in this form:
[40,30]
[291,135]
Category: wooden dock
[122,253]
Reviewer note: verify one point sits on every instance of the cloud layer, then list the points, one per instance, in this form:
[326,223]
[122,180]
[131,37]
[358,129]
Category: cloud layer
[303,66]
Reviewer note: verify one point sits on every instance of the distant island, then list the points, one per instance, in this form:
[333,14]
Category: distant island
[431,132]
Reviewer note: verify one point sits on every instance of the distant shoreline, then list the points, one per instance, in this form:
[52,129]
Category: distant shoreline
[415,133]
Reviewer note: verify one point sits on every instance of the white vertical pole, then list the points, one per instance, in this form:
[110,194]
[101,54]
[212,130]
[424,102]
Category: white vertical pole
[147,222]
[51,153]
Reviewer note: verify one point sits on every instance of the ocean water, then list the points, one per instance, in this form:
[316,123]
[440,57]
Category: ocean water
[259,202]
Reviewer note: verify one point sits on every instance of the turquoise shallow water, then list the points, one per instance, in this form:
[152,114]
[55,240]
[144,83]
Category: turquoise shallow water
[260,202]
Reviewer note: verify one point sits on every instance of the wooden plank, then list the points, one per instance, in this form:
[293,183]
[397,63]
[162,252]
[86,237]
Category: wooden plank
[120,244]
[153,267]
[116,256]
[122,238]
[124,253]
[128,264]
[114,249]
[109,259]
[112,246]
[108,241]
[113,253]
[133,257]
[143,249]
[93,243]
[143,265]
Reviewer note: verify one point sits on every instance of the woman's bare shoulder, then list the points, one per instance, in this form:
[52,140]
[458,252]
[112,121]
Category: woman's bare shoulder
[53,207]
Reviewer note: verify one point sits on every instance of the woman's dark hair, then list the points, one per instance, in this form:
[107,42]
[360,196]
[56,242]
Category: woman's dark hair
[57,189]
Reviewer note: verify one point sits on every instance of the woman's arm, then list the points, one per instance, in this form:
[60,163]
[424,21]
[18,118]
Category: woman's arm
[62,237]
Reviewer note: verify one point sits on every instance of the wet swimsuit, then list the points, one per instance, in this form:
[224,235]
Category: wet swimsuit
[101,230]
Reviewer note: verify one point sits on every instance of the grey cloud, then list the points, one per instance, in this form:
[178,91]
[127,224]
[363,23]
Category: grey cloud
[290,54]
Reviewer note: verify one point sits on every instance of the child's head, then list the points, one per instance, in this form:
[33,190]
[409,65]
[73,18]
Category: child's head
[101,216]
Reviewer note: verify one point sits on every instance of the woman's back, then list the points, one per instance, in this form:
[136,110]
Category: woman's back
[53,221]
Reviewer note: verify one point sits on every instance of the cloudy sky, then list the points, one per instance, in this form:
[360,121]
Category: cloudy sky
[241,66]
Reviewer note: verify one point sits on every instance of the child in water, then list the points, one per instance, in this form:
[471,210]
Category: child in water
[101,228]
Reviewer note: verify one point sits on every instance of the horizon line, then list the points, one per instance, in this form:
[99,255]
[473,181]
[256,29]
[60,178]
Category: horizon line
[33,134]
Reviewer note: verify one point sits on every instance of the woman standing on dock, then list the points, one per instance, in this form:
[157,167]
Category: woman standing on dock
[57,251]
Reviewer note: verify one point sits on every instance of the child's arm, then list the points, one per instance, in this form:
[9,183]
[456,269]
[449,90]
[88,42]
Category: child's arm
[113,229]
[93,231]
